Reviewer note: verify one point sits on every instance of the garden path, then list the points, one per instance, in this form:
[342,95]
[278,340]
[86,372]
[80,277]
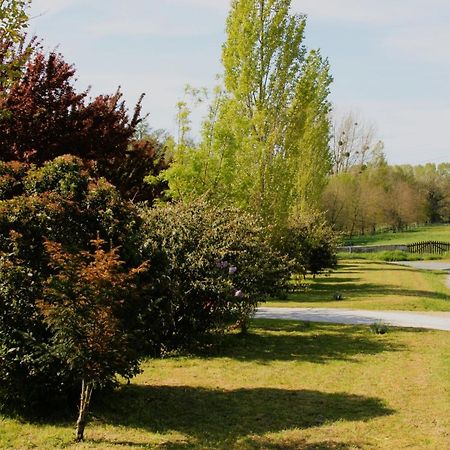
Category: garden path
[412,319]
[428,320]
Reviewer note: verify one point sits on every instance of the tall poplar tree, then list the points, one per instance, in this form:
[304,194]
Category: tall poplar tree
[265,144]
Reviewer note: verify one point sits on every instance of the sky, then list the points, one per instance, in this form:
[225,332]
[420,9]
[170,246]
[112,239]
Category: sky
[390,59]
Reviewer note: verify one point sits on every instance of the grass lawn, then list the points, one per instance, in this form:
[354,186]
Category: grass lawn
[420,234]
[374,285]
[285,386]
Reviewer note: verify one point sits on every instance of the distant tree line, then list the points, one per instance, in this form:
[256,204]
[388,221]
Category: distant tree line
[366,198]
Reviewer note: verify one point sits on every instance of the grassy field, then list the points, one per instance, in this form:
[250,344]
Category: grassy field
[419,234]
[285,386]
[395,255]
[374,285]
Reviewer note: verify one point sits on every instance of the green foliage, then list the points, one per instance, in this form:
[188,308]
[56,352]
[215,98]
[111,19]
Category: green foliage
[393,255]
[13,23]
[208,268]
[61,203]
[309,242]
[82,307]
[265,141]
[369,198]
[212,265]
[13,19]
[379,327]
[64,176]
[29,371]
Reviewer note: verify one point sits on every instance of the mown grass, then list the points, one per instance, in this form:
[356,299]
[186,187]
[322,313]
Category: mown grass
[419,234]
[373,285]
[395,255]
[284,386]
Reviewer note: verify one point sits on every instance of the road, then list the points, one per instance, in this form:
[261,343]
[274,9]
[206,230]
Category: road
[433,321]
[411,319]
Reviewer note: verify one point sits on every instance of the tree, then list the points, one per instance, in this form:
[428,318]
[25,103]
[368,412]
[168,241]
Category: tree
[13,22]
[82,302]
[61,202]
[46,117]
[434,182]
[354,144]
[309,242]
[362,199]
[265,142]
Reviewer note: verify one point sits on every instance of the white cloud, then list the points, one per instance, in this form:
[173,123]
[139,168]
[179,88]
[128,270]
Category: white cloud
[149,17]
[379,12]
[220,5]
[429,43]
[50,7]
[136,26]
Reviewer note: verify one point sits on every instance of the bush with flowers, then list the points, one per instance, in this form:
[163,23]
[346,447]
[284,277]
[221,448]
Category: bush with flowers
[214,264]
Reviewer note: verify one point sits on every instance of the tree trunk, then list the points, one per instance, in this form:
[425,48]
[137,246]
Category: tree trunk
[85,399]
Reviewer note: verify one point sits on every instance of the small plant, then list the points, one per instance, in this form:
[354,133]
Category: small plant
[82,303]
[338,296]
[379,327]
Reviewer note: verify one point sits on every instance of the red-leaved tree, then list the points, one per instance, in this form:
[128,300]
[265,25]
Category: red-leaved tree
[44,117]
[82,307]
[48,118]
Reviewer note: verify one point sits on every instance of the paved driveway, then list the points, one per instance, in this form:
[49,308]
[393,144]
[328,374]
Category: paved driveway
[434,321]
[426,265]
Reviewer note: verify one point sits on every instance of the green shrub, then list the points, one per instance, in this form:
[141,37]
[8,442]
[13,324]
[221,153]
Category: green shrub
[309,242]
[64,175]
[379,327]
[61,203]
[208,267]
[29,370]
[11,175]
[213,265]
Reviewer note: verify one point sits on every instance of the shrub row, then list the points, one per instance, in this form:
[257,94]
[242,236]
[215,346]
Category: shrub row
[202,269]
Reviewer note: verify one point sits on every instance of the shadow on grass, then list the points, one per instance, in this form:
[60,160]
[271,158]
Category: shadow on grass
[370,264]
[323,290]
[302,444]
[292,444]
[318,344]
[215,418]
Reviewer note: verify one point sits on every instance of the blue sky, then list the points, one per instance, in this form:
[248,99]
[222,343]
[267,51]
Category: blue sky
[390,59]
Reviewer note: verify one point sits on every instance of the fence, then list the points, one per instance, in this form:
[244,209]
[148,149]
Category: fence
[433,247]
[371,248]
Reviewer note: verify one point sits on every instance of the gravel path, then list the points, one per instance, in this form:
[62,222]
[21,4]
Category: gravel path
[434,321]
